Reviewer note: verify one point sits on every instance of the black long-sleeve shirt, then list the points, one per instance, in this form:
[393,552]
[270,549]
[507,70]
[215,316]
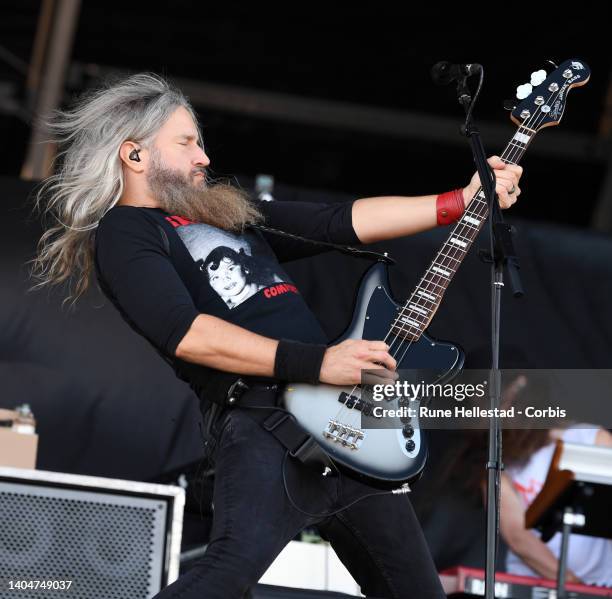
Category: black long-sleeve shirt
[161,271]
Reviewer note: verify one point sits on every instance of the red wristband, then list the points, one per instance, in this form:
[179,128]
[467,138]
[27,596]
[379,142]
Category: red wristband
[450,207]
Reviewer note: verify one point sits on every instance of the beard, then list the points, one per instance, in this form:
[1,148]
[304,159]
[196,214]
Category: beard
[219,204]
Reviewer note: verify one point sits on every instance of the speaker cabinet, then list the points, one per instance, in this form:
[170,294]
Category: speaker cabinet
[85,537]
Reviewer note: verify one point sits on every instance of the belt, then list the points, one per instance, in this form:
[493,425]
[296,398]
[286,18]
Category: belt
[237,390]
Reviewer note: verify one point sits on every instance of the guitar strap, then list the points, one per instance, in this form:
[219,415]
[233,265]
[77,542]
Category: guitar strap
[280,423]
[345,249]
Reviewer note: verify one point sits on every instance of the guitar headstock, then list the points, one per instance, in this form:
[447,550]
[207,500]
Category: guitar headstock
[543,98]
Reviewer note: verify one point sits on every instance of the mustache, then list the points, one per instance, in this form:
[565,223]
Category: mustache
[199,170]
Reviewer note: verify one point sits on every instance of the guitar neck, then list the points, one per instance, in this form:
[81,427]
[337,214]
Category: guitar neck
[416,314]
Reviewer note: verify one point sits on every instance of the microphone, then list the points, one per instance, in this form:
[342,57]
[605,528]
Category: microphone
[444,72]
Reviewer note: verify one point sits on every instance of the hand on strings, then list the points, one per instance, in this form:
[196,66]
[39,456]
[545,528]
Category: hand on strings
[507,178]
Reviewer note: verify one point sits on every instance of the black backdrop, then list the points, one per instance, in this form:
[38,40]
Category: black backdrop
[107,405]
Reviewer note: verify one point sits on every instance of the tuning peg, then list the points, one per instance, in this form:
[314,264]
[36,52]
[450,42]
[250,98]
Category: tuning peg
[509,104]
[537,77]
[553,64]
[523,91]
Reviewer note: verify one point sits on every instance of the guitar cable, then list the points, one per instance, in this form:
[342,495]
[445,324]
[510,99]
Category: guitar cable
[340,509]
[401,491]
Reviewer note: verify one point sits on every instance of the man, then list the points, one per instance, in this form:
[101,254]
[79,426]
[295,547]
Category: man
[134,173]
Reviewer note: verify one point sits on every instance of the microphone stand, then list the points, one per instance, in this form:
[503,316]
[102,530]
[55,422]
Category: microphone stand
[501,253]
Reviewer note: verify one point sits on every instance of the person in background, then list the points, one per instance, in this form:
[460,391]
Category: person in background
[527,456]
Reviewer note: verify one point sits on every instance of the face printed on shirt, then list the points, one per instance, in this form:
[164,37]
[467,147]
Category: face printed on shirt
[236,276]
[234,265]
[227,278]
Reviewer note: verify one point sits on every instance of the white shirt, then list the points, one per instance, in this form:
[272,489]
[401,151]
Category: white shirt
[590,558]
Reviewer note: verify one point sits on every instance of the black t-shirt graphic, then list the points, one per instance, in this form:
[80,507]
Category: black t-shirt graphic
[162,270]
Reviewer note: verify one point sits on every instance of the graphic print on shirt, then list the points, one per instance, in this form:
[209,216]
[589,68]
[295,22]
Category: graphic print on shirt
[528,492]
[235,266]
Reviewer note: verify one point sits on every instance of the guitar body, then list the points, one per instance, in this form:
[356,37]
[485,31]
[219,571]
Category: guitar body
[382,453]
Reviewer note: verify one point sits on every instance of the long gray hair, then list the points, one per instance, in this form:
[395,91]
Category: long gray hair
[88,181]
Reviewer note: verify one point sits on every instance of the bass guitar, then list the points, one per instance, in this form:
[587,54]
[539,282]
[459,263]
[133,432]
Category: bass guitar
[341,419]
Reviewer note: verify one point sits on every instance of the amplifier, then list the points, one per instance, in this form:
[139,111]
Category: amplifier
[67,535]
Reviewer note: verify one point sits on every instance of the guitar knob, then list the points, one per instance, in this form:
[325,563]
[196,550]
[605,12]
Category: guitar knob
[410,445]
[408,431]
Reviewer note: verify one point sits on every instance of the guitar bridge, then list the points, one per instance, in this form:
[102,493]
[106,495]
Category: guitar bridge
[345,435]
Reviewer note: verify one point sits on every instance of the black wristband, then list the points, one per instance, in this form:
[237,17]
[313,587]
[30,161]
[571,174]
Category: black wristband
[298,362]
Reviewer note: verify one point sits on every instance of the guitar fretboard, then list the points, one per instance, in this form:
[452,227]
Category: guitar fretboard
[415,315]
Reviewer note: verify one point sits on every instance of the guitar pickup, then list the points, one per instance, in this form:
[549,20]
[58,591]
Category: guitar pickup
[348,400]
[356,403]
[353,402]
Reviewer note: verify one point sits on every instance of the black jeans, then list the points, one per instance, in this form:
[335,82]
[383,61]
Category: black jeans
[378,539]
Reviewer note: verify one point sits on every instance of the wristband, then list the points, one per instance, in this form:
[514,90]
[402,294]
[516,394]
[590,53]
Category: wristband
[450,206]
[298,362]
